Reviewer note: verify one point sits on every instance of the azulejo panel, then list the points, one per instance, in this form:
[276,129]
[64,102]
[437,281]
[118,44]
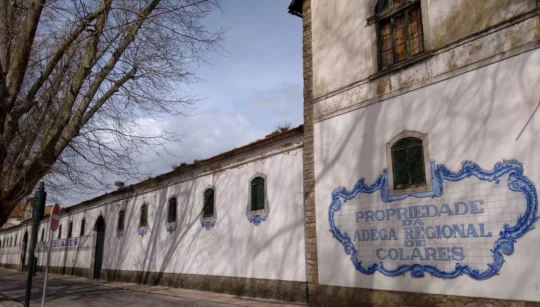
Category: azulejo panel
[171,227]
[208,223]
[465,226]
[259,217]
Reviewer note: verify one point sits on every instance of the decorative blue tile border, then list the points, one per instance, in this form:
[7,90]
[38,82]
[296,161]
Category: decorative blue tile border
[171,228]
[257,219]
[208,223]
[508,236]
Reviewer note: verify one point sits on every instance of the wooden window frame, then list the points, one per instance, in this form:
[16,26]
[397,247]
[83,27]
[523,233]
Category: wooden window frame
[390,15]
[427,168]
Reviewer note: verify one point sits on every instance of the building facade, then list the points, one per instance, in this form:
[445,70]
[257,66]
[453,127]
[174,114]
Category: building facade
[232,223]
[411,183]
[421,152]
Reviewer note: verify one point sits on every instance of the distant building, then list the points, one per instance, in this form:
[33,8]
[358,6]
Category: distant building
[23,212]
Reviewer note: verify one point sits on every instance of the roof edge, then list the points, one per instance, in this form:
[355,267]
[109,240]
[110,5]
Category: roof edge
[240,150]
[295,8]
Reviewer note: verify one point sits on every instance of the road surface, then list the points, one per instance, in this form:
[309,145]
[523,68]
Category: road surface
[62,293]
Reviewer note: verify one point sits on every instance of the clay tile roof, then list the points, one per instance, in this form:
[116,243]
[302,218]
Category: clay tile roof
[18,212]
[48,210]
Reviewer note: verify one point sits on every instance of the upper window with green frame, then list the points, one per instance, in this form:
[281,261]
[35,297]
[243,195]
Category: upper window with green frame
[171,214]
[257,194]
[209,204]
[144,216]
[399,27]
[408,167]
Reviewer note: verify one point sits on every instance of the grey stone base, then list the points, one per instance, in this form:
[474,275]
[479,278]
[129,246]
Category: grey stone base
[265,288]
[341,296]
[10,266]
[83,272]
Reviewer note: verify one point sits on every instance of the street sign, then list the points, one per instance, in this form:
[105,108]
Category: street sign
[55,217]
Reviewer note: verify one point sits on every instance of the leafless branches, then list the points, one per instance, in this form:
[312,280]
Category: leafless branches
[76,78]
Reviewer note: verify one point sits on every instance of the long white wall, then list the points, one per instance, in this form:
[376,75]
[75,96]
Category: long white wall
[233,247]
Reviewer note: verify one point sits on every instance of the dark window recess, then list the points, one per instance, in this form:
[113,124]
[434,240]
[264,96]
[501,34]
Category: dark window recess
[42,235]
[171,216]
[60,232]
[208,209]
[399,31]
[83,226]
[144,216]
[257,194]
[408,166]
[121,216]
[70,230]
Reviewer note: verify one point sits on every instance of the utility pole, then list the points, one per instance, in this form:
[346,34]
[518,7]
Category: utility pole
[37,215]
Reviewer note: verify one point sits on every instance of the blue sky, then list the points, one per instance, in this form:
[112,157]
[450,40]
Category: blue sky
[246,92]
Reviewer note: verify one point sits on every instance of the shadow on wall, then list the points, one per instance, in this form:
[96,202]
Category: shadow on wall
[468,117]
[188,250]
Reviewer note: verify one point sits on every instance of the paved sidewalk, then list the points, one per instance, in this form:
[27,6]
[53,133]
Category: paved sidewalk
[6,302]
[194,295]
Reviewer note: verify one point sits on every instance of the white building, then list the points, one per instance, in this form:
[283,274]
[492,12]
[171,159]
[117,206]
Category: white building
[398,96]
[232,223]
[412,182]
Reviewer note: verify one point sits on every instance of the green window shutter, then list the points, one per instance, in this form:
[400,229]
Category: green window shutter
[144,216]
[83,226]
[172,210]
[121,220]
[408,168]
[260,196]
[253,196]
[208,203]
[257,194]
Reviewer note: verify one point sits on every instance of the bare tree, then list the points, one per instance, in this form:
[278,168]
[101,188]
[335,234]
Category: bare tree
[77,75]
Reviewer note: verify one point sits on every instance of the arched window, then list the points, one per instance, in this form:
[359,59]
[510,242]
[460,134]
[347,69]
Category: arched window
[42,234]
[121,216]
[171,216]
[83,226]
[11,242]
[15,240]
[144,216]
[70,230]
[257,194]
[60,232]
[399,24]
[208,209]
[408,167]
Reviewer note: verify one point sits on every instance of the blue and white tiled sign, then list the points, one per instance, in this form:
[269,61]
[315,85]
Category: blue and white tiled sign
[465,225]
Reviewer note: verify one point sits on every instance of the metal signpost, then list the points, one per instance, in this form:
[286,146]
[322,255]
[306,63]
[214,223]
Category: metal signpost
[37,215]
[54,221]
